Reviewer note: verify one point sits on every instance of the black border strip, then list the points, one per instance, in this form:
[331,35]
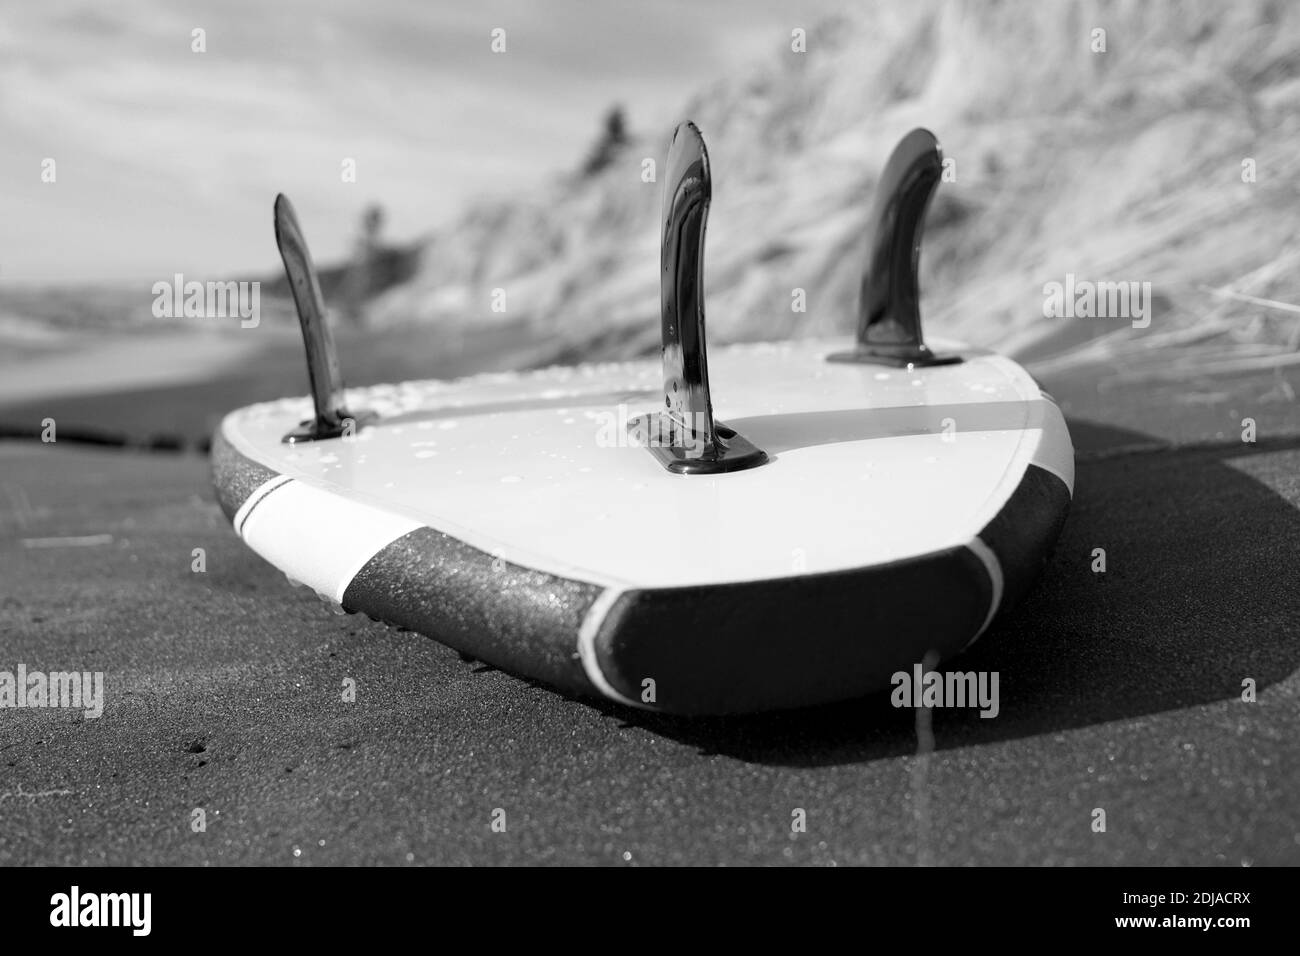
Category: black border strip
[820,638]
[235,476]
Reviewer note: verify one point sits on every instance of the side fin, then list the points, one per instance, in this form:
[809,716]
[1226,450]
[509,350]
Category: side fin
[332,418]
[889,312]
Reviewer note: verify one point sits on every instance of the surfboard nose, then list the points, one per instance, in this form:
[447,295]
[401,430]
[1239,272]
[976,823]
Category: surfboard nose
[332,419]
[889,312]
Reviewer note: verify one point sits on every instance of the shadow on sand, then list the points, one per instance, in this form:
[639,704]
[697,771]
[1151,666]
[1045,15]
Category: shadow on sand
[1189,607]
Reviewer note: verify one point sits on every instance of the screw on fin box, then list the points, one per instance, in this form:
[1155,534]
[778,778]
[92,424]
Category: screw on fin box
[684,437]
[889,313]
[332,419]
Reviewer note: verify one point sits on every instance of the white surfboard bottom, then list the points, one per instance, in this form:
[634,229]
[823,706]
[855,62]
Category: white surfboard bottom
[869,466]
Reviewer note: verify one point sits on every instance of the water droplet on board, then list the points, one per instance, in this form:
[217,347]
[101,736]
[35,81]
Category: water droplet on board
[511,479]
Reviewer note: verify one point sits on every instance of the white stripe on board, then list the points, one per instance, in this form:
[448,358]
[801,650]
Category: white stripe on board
[315,537]
[587,647]
[994,568]
[1055,451]
[254,499]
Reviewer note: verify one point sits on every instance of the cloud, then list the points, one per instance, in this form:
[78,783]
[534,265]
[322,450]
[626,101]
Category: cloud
[176,155]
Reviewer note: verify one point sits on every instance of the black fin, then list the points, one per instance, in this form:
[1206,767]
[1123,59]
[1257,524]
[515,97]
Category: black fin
[889,313]
[332,419]
[684,437]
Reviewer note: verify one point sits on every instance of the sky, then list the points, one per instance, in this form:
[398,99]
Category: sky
[167,160]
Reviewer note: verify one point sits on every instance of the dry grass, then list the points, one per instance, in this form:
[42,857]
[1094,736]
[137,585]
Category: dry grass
[1123,165]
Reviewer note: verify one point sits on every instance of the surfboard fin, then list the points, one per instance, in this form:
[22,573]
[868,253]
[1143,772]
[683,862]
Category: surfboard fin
[684,437]
[889,314]
[332,419]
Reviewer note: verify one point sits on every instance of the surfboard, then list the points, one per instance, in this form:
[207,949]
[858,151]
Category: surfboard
[836,512]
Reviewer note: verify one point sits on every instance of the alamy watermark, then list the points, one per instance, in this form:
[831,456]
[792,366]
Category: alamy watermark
[927,688]
[78,690]
[1083,299]
[619,429]
[75,908]
[211,300]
